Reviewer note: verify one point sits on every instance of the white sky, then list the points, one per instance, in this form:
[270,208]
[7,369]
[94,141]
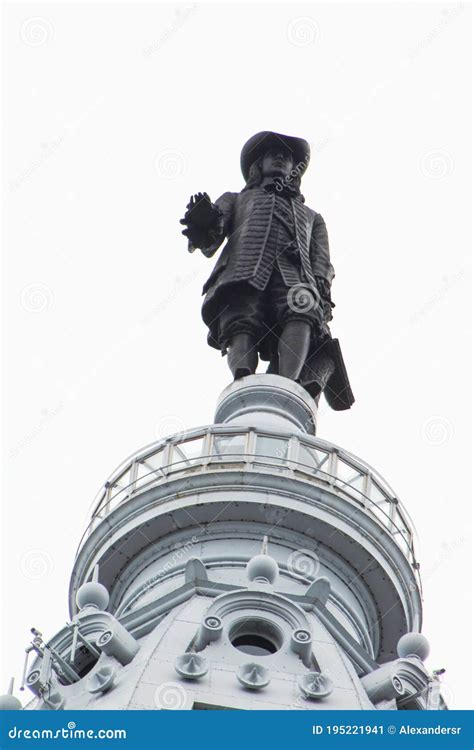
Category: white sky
[114,114]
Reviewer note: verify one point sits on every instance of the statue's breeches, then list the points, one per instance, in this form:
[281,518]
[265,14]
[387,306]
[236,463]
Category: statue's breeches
[263,313]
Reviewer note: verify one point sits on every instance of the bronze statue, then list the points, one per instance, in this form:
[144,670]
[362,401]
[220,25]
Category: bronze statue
[269,294]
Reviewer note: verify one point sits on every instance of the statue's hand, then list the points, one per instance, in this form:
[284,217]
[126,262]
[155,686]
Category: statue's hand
[200,212]
[200,219]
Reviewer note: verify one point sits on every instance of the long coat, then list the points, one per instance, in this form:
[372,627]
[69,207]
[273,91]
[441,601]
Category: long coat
[246,218]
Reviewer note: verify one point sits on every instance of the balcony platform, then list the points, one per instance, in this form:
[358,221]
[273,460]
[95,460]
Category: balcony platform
[260,471]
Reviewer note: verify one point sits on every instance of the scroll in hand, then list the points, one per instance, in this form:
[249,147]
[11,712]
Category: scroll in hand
[199,218]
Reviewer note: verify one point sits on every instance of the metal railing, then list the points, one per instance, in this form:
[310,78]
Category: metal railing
[222,446]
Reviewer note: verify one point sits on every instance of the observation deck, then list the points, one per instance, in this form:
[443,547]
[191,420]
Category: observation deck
[258,470]
[226,448]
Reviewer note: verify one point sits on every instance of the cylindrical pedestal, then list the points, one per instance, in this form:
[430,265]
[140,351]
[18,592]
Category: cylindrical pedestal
[269,402]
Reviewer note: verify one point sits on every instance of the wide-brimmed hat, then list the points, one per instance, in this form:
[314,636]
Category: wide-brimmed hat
[259,143]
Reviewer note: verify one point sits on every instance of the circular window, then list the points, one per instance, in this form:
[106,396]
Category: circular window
[255,636]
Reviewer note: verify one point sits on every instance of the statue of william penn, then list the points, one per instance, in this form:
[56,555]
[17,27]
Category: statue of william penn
[269,294]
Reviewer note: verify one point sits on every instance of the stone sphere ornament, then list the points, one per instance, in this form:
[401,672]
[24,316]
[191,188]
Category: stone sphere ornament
[413,644]
[92,594]
[9,703]
[262,568]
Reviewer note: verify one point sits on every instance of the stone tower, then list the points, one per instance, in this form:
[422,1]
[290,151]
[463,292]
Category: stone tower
[243,565]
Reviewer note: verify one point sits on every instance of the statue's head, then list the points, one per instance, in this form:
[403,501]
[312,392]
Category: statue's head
[276,163]
[273,155]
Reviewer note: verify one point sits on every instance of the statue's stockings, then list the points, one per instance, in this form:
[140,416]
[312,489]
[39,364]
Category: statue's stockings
[293,347]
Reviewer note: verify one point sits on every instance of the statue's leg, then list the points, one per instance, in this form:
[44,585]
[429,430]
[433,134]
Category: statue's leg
[241,328]
[294,327]
[242,355]
[293,348]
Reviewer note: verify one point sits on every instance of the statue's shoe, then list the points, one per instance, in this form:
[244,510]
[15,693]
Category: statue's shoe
[242,372]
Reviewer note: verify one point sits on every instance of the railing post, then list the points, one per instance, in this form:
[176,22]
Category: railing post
[393,505]
[333,459]
[206,448]
[293,450]
[367,489]
[108,493]
[250,448]
[133,477]
[167,455]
